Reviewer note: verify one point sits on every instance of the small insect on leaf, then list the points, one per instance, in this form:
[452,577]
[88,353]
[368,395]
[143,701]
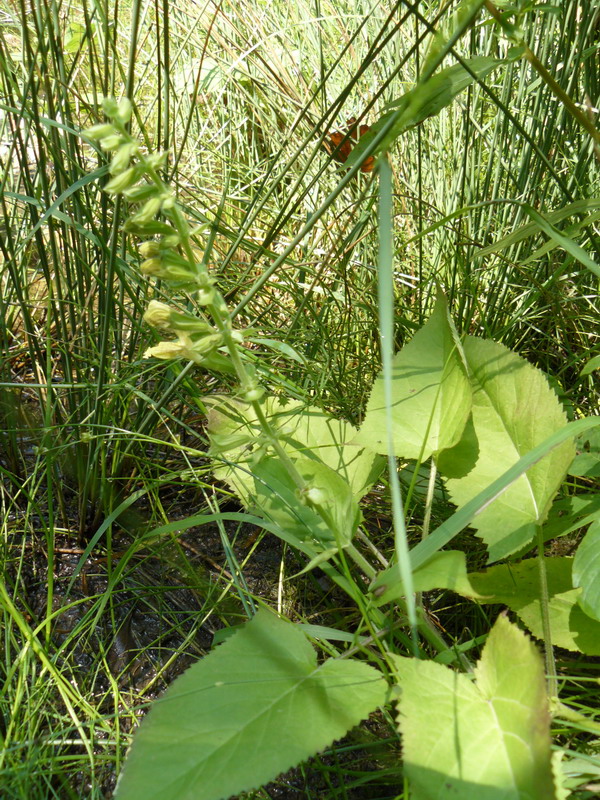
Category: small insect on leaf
[339,144]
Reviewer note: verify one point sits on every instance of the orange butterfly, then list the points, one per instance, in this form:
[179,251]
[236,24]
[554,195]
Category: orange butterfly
[339,149]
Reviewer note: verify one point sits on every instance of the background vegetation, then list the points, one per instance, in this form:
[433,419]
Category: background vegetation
[99,446]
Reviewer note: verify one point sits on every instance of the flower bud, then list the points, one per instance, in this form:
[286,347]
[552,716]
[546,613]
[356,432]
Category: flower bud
[187,325]
[166,350]
[111,142]
[157,160]
[152,266]
[140,192]
[206,344]
[172,240]
[101,131]
[122,158]
[148,211]
[168,201]
[158,314]
[110,106]
[124,110]
[253,395]
[153,228]
[122,181]
[205,297]
[149,249]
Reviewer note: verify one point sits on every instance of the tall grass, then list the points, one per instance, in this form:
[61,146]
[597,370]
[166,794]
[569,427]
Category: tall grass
[98,446]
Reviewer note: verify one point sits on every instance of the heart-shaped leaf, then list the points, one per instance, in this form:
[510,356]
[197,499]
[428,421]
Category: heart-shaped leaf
[488,739]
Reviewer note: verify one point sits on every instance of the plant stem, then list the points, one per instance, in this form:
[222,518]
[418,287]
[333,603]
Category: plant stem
[548,649]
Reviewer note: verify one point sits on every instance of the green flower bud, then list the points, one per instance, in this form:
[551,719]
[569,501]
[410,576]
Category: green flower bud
[111,142]
[253,395]
[153,228]
[187,325]
[122,181]
[141,192]
[149,210]
[124,110]
[152,266]
[149,249]
[173,259]
[101,131]
[110,106]
[207,344]
[122,158]
[172,240]
[217,362]
[156,268]
[158,314]
[205,296]
[157,160]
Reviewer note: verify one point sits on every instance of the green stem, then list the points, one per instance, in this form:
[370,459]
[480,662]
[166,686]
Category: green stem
[544,598]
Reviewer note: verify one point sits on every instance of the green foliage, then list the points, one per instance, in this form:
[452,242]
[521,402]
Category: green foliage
[425,101]
[518,587]
[255,706]
[487,738]
[586,571]
[513,410]
[432,395]
[265,258]
[445,570]
[235,436]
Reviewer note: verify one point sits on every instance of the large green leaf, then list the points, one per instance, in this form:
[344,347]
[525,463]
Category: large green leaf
[235,434]
[586,571]
[445,570]
[518,587]
[488,739]
[254,707]
[514,410]
[432,395]
[277,499]
[425,101]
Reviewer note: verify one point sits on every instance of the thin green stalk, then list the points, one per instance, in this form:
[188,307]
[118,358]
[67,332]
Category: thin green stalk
[544,600]
[385,295]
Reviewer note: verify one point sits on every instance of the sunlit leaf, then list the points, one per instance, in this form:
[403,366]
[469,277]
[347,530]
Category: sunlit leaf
[446,570]
[514,409]
[254,707]
[487,739]
[235,434]
[518,587]
[586,571]
[432,395]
